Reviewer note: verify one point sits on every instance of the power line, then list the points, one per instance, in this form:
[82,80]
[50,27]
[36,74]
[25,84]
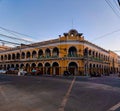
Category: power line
[14,38]
[9,42]
[116,4]
[14,33]
[112,7]
[118,30]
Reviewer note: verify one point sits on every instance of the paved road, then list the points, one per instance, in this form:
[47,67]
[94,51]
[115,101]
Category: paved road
[30,93]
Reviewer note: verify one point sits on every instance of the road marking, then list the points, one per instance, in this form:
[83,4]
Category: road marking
[3,94]
[114,107]
[4,82]
[65,99]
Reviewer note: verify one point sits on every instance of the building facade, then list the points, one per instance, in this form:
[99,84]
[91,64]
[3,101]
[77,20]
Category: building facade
[68,52]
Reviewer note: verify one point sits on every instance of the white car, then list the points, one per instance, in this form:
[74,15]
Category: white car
[22,73]
[2,71]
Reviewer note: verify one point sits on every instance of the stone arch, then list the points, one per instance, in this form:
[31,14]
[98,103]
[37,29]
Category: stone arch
[86,51]
[9,56]
[93,53]
[21,65]
[33,65]
[90,52]
[18,56]
[17,66]
[90,69]
[23,55]
[55,52]
[12,66]
[47,53]
[99,56]
[1,57]
[40,68]
[47,68]
[28,55]
[40,65]
[90,65]
[72,52]
[8,66]
[5,57]
[40,53]
[0,66]
[13,56]
[5,67]
[96,55]
[73,68]
[55,68]
[27,67]
[34,54]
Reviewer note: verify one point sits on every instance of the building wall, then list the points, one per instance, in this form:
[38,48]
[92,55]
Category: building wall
[68,52]
[114,62]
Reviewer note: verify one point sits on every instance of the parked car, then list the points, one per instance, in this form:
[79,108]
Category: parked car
[22,72]
[33,72]
[36,72]
[3,71]
[12,71]
[67,73]
[95,74]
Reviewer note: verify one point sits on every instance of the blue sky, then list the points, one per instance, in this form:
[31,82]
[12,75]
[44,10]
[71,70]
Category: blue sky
[46,19]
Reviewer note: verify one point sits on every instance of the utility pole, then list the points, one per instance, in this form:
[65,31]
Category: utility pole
[119,2]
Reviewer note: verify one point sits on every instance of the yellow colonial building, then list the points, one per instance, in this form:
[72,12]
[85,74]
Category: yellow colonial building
[68,52]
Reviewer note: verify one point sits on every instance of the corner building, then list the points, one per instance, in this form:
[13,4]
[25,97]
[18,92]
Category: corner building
[68,52]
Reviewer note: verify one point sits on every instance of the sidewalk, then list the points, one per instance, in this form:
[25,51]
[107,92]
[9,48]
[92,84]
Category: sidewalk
[114,75]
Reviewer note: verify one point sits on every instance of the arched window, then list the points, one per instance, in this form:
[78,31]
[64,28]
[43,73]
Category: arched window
[13,56]
[28,55]
[72,52]
[40,67]
[34,54]
[1,57]
[27,67]
[5,67]
[40,53]
[94,65]
[104,57]
[47,68]
[55,52]
[47,53]
[55,68]
[9,57]
[23,55]
[12,65]
[33,65]
[5,57]
[93,54]
[90,52]
[99,56]
[21,65]
[8,66]
[17,66]
[86,52]
[96,55]
[18,56]
[73,68]
[47,64]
